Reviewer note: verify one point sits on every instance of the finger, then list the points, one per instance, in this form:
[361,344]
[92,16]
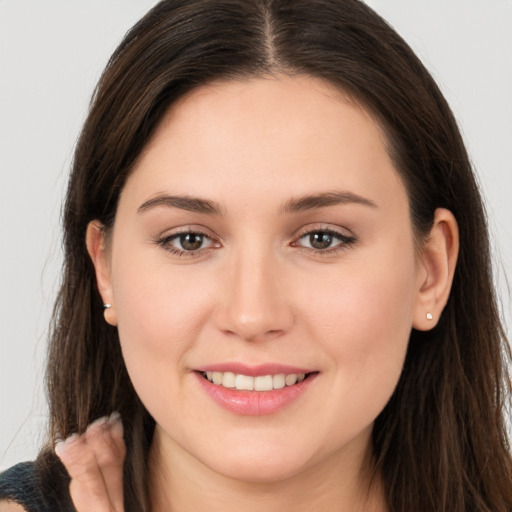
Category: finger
[87,487]
[105,439]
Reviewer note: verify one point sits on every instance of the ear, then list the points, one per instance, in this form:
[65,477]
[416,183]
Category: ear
[436,267]
[96,247]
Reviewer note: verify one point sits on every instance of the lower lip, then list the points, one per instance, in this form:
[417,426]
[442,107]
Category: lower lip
[255,403]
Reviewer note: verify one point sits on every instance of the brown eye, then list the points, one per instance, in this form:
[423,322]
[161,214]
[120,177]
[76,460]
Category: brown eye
[191,241]
[320,240]
[326,241]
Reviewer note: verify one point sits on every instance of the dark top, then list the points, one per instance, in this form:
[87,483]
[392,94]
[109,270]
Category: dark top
[38,486]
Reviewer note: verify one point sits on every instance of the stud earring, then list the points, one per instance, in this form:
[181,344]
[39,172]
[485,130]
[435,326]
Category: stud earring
[429,316]
[109,313]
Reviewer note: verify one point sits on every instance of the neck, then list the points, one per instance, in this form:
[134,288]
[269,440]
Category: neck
[180,482]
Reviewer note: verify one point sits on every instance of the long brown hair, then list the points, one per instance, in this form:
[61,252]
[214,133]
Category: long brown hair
[440,443]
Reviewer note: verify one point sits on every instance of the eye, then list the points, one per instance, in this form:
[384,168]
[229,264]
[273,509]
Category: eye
[325,240]
[187,243]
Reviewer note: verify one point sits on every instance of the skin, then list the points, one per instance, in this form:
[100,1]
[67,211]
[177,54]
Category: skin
[10,506]
[257,292]
[95,464]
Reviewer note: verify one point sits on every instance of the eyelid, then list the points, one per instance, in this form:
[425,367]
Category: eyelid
[186,229]
[330,228]
[164,240]
[346,239]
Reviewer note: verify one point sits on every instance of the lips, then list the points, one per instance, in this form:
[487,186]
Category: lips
[256,390]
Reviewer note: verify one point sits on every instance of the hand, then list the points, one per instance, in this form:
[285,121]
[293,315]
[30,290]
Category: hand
[94,462]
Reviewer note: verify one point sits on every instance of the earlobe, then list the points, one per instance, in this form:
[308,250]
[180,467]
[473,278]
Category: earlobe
[436,270]
[96,247]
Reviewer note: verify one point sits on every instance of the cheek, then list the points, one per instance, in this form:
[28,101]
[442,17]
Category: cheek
[159,314]
[363,323]
[372,303]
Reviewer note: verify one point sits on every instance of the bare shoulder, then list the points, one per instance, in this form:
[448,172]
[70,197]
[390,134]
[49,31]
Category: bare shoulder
[10,506]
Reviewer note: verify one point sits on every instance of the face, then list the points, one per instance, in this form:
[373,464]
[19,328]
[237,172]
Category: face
[263,240]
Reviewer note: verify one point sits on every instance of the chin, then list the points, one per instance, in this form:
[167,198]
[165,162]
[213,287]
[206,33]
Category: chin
[259,465]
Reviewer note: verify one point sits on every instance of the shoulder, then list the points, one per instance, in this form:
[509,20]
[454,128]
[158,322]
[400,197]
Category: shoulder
[39,486]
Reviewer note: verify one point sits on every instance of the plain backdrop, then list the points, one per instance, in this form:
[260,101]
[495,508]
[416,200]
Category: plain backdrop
[51,55]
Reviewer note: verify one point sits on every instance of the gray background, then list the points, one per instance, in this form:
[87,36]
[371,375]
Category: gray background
[51,55]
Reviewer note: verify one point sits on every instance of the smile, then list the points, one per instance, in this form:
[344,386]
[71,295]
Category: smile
[248,383]
[268,390]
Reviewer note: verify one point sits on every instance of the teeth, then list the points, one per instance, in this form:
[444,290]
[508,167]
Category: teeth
[263,383]
[244,382]
[279,381]
[291,379]
[260,383]
[229,380]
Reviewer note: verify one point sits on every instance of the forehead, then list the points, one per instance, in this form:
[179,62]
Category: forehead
[265,136]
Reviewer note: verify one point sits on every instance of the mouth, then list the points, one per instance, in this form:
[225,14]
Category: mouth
[255,395]
[243,382]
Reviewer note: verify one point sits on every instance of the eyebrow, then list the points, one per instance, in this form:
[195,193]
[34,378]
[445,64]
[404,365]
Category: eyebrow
[301,204]
[192,204]
[324,199]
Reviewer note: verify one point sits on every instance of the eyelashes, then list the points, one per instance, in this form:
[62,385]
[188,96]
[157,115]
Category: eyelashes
[193,243]
[189,243]
[324,241]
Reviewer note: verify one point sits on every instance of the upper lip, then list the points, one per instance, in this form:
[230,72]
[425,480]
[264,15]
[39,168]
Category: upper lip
[253,370]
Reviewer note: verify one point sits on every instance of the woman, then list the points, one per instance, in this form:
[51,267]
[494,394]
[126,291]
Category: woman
[277,272]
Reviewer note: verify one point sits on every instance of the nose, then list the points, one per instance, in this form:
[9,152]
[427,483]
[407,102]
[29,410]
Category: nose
[255,305]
